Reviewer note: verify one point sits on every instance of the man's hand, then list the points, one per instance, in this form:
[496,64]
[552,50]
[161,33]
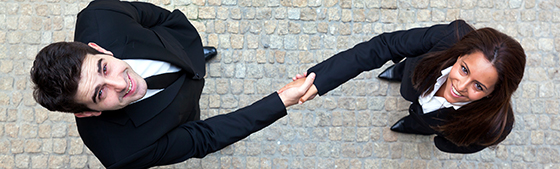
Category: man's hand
[297,81]
[292,92]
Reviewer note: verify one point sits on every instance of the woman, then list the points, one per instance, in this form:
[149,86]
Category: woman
[459,80]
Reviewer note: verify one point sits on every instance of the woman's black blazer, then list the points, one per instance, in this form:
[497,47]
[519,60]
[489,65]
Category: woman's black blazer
[411,44]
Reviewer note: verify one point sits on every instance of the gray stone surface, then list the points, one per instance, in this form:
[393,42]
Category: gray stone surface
[261,45]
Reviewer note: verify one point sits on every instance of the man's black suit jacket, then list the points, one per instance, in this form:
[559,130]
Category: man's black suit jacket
[160,130]
[411,44]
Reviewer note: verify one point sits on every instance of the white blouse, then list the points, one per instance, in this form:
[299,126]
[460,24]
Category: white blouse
[430,102]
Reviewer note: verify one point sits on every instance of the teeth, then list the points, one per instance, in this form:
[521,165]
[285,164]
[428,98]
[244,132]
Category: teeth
[455,91]
[129,86]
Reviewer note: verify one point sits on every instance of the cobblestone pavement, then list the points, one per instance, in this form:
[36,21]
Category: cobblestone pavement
[261,44]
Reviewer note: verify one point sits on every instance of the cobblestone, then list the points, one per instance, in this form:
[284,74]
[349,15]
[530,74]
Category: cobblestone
[261,45]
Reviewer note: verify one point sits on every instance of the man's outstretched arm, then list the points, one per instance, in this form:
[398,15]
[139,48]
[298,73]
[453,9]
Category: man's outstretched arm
[199,138]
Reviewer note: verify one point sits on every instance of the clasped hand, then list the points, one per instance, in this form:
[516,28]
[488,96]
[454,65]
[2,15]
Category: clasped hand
[299,90]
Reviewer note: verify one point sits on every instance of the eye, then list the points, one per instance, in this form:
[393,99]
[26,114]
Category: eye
[105,69]
[478,86]
[464,70]
[100,93]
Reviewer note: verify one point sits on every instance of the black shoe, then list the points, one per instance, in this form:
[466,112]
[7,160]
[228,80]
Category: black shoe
[209,52]
[389,74]
[399,126]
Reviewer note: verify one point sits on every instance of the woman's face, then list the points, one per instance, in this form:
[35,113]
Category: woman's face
[472,77]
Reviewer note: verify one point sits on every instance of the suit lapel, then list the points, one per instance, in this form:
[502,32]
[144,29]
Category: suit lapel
[174,47]
[146,109]
[407,89]
[136,49]
[434,118]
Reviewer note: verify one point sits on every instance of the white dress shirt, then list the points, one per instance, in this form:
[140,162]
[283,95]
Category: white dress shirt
[146,68]
[431,102]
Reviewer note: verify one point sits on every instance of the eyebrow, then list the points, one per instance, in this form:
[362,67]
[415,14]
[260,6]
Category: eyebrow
[469,70]
[97,87]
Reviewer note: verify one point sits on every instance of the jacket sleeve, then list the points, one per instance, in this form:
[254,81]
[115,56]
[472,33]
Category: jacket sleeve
[374,53]
[138,30]
[199,138]
[110,17]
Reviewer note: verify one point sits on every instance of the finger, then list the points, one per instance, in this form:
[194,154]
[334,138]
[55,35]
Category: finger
[310,94]
[306,96]
[288,86]
[282,89]
[295,83]
[298,76]
[303,99]
[308,82]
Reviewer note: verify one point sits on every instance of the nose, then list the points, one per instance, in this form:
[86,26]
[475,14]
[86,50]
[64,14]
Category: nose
[116,82]
[462,86]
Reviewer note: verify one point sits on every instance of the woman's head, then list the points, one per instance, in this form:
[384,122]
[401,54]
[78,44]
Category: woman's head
[487,64]
[485,120]
[471,78]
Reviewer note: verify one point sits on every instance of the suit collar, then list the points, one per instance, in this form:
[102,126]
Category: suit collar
[137,50]
[434,118]
[144,110]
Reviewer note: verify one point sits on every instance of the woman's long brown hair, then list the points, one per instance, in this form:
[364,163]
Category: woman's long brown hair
[483,121]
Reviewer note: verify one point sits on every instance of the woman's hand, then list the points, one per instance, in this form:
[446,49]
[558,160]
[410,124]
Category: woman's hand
[298,81]
[293,91]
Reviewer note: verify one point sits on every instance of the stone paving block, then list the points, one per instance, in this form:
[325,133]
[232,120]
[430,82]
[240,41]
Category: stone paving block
[349,122]
[39,161]
[57,161]
[32,146]
[6,161]
[348,134]
[76,146]
[22,161]
[79,161]
[308,14]
[4,146]
[280,163]
[59,146]
[334,14]
[325,149]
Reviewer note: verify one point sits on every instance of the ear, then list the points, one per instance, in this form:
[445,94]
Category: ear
[99,48]
[87,114]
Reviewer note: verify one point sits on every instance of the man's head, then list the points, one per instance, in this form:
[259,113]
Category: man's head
[83,79]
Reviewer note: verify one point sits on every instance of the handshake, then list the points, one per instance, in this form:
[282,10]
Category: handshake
[299,90]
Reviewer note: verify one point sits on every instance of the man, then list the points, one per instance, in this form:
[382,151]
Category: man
[120,120]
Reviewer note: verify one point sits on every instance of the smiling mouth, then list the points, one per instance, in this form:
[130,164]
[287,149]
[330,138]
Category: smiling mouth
[129,86]
[455,91]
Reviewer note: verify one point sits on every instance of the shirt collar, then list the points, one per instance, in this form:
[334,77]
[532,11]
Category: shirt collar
[439,82]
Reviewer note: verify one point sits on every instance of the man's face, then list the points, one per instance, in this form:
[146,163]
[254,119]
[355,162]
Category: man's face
[108,83]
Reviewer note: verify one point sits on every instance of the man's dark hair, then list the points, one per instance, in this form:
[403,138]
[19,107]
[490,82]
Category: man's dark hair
[56,73]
